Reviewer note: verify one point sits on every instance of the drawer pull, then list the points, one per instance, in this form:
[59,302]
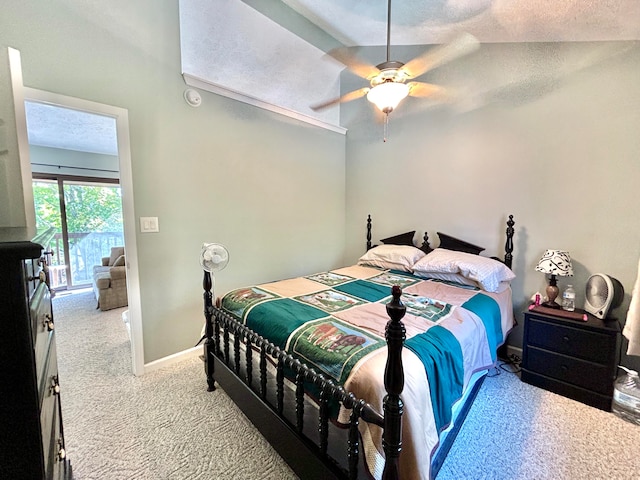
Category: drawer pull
[62,453]
[564,368]
[48,322]
[566,339]
[42,276]
[55,386]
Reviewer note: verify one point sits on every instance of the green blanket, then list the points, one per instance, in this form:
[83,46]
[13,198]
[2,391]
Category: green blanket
[441,356]
[488,310]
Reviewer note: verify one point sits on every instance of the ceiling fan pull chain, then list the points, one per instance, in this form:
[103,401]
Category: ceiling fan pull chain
[386,127]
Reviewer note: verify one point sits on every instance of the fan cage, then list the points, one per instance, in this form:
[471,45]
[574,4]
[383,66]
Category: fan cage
[597,291]
[602,294]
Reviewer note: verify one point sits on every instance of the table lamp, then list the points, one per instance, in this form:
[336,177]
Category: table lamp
[554,262]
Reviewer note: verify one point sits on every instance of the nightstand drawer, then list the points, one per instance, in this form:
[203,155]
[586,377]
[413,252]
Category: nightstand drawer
[584,374]
[576,342]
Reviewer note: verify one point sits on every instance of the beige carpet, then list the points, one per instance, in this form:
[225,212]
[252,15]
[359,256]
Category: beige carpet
[165,425]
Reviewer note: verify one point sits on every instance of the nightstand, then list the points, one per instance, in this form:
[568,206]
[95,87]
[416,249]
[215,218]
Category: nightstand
[577,359]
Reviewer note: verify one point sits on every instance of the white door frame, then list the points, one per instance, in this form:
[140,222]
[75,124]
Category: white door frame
[121,116]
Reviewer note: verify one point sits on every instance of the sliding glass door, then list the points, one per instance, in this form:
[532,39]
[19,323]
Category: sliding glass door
[87,216]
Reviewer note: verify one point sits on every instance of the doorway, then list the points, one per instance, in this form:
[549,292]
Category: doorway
[124,175]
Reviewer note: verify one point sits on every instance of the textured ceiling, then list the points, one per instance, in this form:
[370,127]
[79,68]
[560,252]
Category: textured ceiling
[57,127]
[424,22]
[274,50]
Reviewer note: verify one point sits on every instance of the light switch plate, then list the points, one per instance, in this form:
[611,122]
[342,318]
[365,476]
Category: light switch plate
[149,225]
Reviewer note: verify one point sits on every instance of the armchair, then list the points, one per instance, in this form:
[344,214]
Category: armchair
[110,280]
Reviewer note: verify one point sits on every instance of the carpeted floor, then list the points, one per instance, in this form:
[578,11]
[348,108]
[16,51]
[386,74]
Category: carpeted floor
[165,425]
[160,426]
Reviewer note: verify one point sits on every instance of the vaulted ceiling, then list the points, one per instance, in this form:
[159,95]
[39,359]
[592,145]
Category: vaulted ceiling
[272,53]
[424,22]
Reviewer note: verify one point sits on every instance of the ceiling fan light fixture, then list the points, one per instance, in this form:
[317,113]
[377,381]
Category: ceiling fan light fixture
[386,96]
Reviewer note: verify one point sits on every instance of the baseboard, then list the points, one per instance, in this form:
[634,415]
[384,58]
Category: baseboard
[172,359]
[511,350]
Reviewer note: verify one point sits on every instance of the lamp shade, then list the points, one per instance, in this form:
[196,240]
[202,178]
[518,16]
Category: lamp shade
[388,95]
[555,262]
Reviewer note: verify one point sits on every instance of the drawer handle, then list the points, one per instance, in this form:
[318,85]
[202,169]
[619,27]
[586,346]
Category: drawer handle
[564,368]
[566,339]
[42,276]
[48,322]
[43,259]
[62,453]
[55,386]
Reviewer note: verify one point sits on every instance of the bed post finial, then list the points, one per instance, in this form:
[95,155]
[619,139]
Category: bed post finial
[393,383]
[368,232]
[508,246]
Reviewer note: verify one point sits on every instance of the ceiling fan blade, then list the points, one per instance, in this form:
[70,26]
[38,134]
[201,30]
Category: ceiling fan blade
[421,89]
[347,97]
[346,56]
[434,57]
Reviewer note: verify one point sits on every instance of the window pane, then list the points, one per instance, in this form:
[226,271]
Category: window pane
[47,206]
[94,223]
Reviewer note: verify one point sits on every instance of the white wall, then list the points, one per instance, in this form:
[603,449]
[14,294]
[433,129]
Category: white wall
[547,132]
[268,187]
[17,213]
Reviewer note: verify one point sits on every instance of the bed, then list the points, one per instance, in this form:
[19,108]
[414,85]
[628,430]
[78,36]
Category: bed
[365,371]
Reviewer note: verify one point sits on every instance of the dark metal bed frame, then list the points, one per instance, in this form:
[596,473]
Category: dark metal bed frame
[310,459]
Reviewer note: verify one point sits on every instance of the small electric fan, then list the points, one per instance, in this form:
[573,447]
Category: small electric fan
[602,293]
[213,258]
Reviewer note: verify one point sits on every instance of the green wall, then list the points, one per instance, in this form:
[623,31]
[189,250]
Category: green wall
[60,161]
[547,132]
[270,188]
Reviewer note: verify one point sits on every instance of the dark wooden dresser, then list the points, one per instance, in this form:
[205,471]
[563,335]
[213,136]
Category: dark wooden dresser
[577,359]
[31,435]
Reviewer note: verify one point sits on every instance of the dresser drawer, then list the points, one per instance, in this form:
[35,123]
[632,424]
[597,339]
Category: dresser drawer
[51,437]
[33,275]
[592,376]
[41,326]
[30,267]
[576,342]
[49,413]
[49,376]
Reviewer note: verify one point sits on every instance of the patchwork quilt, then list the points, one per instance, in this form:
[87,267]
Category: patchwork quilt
[334,321]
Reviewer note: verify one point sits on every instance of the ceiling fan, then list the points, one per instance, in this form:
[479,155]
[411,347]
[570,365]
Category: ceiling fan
[388,80]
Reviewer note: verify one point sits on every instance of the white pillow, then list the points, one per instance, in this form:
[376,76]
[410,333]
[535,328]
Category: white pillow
[450,277]
[486,271]
[396,257]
